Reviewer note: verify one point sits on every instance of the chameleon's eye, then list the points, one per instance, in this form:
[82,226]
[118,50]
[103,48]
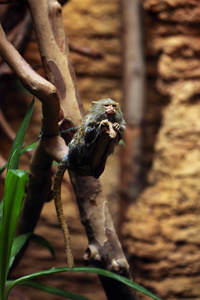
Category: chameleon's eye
[114,105]
[106,105]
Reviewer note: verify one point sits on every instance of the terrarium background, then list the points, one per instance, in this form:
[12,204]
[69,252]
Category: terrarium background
[162,228]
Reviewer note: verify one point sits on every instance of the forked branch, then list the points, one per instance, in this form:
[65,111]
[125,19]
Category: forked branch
[61,102]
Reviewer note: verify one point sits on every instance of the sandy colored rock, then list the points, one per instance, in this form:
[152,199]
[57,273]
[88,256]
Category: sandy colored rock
[162,228]
[174,11]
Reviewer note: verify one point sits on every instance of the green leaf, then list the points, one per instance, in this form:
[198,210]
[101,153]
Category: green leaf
[29,148]
[13,199]
[43,242]
[23,280]
[55,291]
[18,243]
[19,87]
[121,142]
[13,160]
[25,149]
[1,208]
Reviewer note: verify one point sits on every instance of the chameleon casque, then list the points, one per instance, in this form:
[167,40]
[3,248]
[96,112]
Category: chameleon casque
[101,130]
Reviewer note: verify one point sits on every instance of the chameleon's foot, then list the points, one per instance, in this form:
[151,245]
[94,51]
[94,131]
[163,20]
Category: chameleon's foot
[104,123]
[116,126]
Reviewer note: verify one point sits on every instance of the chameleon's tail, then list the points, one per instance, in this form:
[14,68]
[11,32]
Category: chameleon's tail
[59,210]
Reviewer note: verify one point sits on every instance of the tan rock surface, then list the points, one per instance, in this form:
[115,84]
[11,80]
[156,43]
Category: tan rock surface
[162,229]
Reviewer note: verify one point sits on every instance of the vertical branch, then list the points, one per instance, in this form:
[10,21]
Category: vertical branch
[49,31]
[134,65]
[40,170]
[134,97]
[48,26]
[104,249]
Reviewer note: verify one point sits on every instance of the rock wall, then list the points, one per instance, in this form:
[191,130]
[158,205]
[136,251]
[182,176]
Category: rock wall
[96,24]
[162,229]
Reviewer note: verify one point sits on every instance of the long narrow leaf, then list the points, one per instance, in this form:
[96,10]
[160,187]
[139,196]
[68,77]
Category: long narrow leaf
[13,160]
[1,209]
[30,147]
[55,291]
[38,239]
[13,199]
[23,280]
[25,149]
[18,242]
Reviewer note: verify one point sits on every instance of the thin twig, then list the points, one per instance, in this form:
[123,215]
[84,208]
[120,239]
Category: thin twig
[86,51]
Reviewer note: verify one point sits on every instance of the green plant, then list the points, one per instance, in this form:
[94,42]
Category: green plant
[10,245]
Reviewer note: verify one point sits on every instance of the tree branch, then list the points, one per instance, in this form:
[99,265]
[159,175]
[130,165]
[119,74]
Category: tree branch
[132,181]
[86,51]
[55,56]
[104,248]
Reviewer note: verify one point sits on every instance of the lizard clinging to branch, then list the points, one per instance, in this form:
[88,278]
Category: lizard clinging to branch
[101,130]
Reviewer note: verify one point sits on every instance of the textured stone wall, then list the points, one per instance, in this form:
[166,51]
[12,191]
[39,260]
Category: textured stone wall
[96,24]
[162,229]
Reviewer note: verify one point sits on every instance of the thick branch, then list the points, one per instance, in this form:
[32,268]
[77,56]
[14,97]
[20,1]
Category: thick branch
[39,188]
[54,53]
[51,147]
[104,248]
